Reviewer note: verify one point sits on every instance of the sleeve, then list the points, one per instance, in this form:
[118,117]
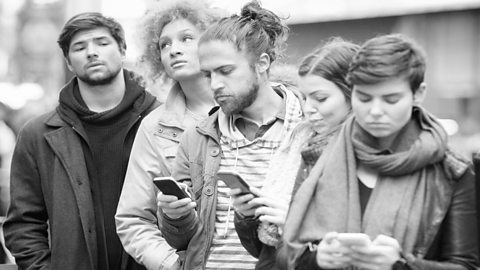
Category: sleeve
[26,228]
[136,217]
[458,234]
[246,228]
[178,232]
[308,261]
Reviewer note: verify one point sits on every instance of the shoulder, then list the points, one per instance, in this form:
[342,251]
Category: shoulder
[41,122]
[455,165]
[151,120]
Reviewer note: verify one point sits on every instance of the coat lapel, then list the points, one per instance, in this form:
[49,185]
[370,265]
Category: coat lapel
[67,147]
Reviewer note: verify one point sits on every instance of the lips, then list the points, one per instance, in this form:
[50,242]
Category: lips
[94,64]
[377,125]
[221,98]
[178,63]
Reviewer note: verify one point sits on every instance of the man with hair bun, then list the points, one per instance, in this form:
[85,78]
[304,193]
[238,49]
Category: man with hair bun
[241,136]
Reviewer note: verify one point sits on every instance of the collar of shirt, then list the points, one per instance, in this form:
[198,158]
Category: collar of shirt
[250,129]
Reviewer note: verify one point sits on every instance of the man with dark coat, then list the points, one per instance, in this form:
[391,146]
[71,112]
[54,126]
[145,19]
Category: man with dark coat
[69,164]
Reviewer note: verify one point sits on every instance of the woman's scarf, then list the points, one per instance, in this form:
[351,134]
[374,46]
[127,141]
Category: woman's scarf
[305,145]
[329,200]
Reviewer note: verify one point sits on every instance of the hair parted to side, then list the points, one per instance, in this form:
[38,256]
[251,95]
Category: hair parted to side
[331,62]
[386,57]
[159,14]
[256,30]
[88,21]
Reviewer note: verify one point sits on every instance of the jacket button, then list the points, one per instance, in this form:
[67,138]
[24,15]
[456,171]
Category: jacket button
[214,152]
[160,130]
[208,190]
[174,134]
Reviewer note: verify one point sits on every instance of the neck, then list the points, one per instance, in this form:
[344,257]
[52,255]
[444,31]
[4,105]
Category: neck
[100,98]
[198,96]
[265,106]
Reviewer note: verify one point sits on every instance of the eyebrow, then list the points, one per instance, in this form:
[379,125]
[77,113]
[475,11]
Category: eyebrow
[217,68]
[180,32]
[94,39]
[317,91]
[387,95]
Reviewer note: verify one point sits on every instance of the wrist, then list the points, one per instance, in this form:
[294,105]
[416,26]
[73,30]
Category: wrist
[401,263]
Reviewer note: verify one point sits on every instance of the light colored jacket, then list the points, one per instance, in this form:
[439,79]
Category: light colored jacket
[137,219]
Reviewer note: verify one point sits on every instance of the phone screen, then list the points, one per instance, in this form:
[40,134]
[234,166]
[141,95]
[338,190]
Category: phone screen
[234,180]
[169,186]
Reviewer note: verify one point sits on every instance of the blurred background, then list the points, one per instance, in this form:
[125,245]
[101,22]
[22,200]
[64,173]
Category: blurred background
[32,69]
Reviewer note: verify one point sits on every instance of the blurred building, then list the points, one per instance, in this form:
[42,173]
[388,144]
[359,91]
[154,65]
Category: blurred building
[450,35]
[449,30]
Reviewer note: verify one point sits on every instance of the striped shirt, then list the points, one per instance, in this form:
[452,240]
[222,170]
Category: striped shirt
[251,160]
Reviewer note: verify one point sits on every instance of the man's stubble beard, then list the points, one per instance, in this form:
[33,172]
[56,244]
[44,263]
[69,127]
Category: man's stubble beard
[244,101]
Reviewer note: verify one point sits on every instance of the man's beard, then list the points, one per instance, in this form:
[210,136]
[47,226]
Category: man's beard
[103,80]
[241,102]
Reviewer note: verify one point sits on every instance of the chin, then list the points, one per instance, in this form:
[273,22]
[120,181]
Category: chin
[180,75]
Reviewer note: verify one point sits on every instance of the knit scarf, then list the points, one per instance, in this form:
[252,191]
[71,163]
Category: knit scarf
[329,199]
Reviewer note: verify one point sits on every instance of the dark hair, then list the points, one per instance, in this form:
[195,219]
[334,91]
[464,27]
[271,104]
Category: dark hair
[88,21]
[160,14]
[386,57]
[331,62]
[256,30]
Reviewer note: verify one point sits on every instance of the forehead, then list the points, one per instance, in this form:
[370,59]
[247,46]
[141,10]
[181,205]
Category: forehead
[90,34]
[176,26]
[310,84]
[213,54]
[388,87]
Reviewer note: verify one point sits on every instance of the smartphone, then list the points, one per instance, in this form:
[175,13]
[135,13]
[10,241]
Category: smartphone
[354,239]
[168,186]
[234,180]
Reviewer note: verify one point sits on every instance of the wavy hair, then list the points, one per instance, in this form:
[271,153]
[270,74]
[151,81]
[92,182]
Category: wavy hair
[388,56]
[151,26]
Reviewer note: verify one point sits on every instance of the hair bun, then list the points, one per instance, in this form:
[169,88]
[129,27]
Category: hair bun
[251,11]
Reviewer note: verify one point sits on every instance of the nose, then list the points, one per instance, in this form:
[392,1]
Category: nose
[92,51]
[308,108]
[215,82]
[376,109]
[175,49]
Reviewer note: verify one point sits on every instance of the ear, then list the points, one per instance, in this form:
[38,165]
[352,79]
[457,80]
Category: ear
[420,94]
[69,65]
[263,63]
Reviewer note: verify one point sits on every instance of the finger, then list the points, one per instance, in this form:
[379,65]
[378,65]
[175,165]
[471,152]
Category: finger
[166,198]
[257,192]
[234,192]
[364,251]
[279,221]
[327,260]
[178,212]
[269,211]
[270,202]
[386,241]
[329,237]
[181,203]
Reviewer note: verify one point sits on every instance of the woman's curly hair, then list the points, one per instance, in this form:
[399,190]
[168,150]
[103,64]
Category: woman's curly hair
[159,14]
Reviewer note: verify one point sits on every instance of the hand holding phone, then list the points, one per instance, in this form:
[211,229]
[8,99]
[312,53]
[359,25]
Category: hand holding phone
[234,180]
[168,186]
[354,239]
